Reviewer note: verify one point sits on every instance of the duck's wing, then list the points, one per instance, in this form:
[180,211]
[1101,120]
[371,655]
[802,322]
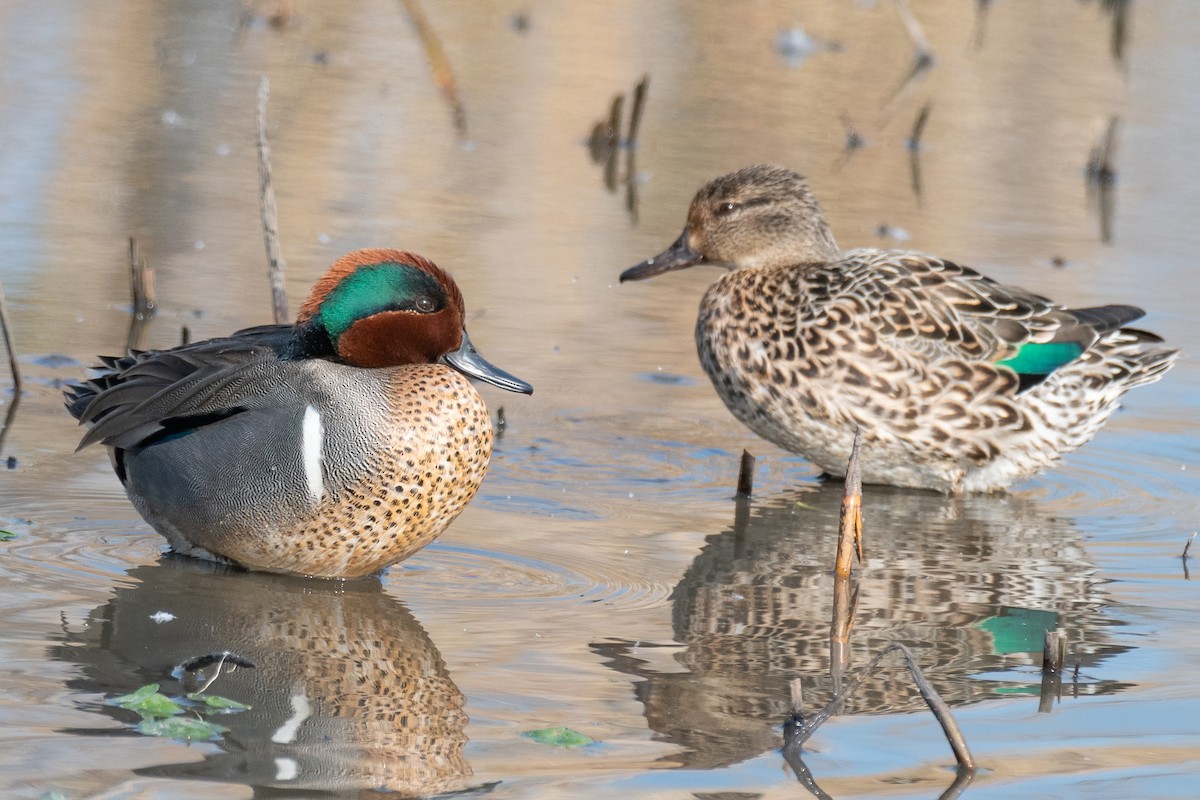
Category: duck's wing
[147,395]
[946,310]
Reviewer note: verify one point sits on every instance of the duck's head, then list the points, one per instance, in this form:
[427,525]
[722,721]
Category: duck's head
[389,308]
[760,216]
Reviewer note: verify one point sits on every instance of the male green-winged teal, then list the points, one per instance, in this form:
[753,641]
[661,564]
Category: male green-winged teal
[957,382]
[333,447]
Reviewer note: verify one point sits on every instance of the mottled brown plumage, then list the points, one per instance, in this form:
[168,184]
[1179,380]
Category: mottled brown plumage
[958,383]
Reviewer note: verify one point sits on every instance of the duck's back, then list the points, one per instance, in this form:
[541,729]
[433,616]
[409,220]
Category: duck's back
[921,354]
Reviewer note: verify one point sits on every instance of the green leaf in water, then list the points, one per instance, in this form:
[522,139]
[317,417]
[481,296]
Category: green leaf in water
[184,729]
[7,536]
[215,701]
[558,737]
[148,702]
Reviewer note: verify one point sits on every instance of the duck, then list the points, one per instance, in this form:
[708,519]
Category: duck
[957,383]
[333,447]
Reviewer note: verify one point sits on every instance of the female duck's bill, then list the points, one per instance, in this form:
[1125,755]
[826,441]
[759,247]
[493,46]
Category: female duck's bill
[679,255]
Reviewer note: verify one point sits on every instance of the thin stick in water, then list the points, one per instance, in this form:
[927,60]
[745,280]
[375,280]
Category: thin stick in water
[1100,167]
[796,735]
[918,128]
[443,74]
[745,483]
[13,367]
[849,543]
[1054,652]
[635,114]
[276,266]
[145,305]
[850,524]
[145,302]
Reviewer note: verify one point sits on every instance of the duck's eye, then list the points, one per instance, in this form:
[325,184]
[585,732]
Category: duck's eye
[425,304]
[725,209]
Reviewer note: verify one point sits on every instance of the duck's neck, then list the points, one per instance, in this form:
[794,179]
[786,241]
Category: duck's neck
[309,340]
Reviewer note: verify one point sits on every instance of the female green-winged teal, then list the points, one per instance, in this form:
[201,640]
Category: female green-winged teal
[333,447]
[957,382]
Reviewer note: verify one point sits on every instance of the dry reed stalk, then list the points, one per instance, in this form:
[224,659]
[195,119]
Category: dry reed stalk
[745,482]
[849,544]
[850,523]
[276,266]
[141,279]
[443,74]
[13,367]
[1054,652]
[797,732]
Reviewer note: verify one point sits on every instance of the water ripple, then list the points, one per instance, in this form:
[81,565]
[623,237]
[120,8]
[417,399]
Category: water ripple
[593,464]
[478,576]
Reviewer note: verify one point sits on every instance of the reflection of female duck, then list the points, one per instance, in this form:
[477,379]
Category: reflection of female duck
[347,692]
[970,584]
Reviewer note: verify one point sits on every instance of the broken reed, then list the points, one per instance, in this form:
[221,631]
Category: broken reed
[745,482]
[849,544]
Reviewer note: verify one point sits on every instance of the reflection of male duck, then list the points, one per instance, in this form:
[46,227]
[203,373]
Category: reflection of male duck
[970,584]
[348,692]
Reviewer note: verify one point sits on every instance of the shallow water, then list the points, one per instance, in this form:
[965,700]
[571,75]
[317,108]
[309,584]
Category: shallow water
[604,580]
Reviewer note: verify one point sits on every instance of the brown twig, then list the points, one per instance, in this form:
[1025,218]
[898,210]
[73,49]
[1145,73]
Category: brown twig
[745,483]
[849,544]
[1054,652]
[1188,546]
[918,128]
[276,266]
[914,149]
[924,53]
[145,303]
[631,140]
[635,113]
[923,58]
[850,523]
[443,74]
[13,367]
[854,139]
[1100,168]
[141,278]
[796,734]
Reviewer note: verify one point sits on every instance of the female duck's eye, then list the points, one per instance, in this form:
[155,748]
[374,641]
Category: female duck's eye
[725,209]
[425,304]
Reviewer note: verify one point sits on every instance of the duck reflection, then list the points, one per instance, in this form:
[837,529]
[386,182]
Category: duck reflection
[347,691]
[970,584]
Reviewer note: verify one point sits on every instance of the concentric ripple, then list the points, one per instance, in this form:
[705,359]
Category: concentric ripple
[1140,484]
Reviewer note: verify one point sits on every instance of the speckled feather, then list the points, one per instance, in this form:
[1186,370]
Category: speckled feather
[805,343]
[275,449]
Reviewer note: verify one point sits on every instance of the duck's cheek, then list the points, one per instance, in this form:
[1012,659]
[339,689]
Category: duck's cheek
[396,338]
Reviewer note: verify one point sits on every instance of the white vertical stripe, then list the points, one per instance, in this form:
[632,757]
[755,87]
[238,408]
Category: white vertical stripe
[291,726]
[286,769]
[313,443]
